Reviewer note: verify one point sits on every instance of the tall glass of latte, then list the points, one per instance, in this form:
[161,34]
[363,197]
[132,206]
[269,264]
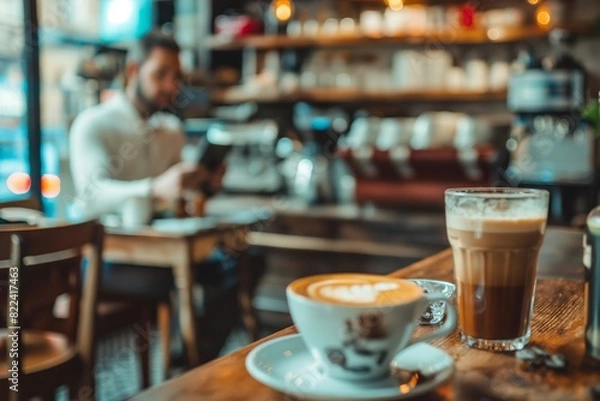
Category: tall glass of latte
[496,235]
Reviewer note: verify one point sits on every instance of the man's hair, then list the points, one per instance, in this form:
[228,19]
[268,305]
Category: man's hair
[141,50]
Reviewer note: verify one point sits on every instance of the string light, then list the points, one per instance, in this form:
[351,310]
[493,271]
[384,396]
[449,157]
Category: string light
[533,2]
[543,16]
[283,10]
[18,183]
[395,5]
[50,186]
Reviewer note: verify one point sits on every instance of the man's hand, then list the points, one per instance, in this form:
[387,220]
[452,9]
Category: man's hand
[170,184]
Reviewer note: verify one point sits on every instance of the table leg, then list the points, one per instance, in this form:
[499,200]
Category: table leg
[236,241]
[143,344]
[184,282]
[164,328]
[246,295]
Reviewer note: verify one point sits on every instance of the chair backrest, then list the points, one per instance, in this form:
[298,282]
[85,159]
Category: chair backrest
[40,263]
[29,203]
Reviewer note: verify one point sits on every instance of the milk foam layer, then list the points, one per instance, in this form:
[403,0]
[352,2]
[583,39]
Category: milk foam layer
[351,293]
[495,224]
[469,213]
[356,289]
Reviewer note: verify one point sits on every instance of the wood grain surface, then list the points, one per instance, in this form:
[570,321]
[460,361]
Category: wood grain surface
[480,376]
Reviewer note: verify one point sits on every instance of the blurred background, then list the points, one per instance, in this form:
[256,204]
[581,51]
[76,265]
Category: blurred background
[364,101]
[349,118]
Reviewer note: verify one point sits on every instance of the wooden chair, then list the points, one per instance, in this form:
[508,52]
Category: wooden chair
[48,264]
[113,313]
[28,203]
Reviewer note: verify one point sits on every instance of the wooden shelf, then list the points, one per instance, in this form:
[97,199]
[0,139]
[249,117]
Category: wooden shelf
[447,36]
[335,95]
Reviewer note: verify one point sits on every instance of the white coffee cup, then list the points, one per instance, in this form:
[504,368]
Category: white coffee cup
[354,324]
[136,212]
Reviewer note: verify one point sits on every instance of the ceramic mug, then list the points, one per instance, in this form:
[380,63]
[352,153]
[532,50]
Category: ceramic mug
[354,324]
[136,212]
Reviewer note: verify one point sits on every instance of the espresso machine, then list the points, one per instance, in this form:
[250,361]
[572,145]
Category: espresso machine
[551,145]
[315,174]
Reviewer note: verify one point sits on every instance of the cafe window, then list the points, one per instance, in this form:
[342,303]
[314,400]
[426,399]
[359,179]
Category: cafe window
[14,166]
[15,180]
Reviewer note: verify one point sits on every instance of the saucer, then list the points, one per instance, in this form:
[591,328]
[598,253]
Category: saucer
[286,365]
[436,311]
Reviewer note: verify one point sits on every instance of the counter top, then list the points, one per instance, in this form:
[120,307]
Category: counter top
[557,326]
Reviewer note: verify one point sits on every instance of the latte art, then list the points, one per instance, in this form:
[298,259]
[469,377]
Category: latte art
[356,289]
[351,293]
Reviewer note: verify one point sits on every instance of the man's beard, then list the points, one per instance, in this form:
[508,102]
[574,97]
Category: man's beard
[150,106]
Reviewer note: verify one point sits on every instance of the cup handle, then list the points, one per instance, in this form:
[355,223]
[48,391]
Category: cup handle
[446,328]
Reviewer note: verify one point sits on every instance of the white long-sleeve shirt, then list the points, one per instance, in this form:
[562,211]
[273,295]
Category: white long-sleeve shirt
[115,154]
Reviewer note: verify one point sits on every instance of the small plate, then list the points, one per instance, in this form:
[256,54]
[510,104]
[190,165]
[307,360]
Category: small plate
[286,365]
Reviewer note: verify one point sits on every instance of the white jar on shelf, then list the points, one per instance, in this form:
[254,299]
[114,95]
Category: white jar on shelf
[371,22]
[499,75]
[477,73]
[456,79]
[310,28]
[331,27]
[294,28]
[347,26]
[437,65]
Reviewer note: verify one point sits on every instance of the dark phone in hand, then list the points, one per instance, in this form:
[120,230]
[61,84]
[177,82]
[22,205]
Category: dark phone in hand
[213,155]
[214,148]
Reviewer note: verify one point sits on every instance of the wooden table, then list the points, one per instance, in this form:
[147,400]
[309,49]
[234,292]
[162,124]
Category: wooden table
[180,248]
[557,325]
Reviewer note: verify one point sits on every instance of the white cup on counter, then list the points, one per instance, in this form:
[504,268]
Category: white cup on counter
[394,132]
[363,132]
[435,130]
[136,212]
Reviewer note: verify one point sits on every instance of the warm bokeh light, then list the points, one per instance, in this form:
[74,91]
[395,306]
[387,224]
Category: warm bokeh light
[395,5]
[18,183]
[283,10]
[50,186]
[404,389]
[543,17]
[533,2]
[493,34]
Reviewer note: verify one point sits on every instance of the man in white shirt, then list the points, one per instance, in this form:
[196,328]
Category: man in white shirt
[128,147]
